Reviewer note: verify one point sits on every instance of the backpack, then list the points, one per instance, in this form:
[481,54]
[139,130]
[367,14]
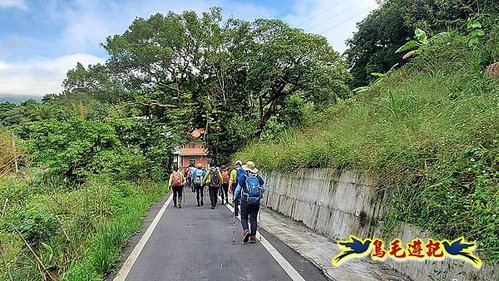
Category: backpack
[253,191]
[239,173]
[198,177]
[214,179]
[226,177]
[176,182]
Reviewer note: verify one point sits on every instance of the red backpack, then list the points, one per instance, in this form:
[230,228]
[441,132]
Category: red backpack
[176,179]
[225,176]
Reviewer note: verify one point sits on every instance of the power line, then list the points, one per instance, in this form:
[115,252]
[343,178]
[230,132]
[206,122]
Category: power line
[328,19]
[343,21]
[321,13]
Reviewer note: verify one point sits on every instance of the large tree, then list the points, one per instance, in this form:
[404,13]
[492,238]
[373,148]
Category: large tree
[285,61]
[188,70]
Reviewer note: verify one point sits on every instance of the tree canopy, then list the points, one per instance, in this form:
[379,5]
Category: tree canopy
[228,76]
[372,48]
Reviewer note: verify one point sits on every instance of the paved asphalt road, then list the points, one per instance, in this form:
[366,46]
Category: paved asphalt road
[195,243]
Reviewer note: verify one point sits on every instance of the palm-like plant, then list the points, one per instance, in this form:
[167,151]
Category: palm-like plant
[414,46]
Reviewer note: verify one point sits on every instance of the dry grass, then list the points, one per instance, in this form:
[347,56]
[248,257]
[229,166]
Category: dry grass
[8,154]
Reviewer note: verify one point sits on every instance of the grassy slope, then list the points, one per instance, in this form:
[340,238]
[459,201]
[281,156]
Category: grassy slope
[96,221]
[429,131]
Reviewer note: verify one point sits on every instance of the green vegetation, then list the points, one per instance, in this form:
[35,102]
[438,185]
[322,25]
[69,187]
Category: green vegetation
[87,178]
[94,157]
[373,46]
[77,234]
[230,77]
[428,132]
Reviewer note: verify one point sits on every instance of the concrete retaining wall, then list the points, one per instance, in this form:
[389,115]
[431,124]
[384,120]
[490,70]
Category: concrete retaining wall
[338,204]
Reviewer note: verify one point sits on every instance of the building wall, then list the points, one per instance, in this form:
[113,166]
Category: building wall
[196,150]
[199,159]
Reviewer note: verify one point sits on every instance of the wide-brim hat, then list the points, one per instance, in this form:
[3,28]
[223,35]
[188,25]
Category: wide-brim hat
[250,166]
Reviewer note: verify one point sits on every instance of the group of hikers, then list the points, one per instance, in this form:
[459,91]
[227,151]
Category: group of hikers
[243,182]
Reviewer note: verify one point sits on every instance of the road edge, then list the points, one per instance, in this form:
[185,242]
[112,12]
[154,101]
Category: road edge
[132,242]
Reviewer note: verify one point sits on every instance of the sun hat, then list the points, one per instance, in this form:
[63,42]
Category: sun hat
[199,166]
[238,162]
[250,166]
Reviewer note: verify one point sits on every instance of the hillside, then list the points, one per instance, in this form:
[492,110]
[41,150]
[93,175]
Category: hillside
[429,132]
[18,99]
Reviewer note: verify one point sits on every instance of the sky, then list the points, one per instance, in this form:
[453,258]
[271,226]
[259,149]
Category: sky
[40,40]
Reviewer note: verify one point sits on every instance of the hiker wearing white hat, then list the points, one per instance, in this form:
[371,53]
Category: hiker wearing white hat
[250,189]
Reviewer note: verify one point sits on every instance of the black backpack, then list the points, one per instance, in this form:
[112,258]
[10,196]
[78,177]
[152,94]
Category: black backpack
[214,178]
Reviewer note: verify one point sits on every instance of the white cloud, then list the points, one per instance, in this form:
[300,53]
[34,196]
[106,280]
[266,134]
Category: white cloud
[13,4]
[336,20]
[40,76]
[88,22]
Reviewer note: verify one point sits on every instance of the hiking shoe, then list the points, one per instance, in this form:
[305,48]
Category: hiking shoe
[179,206]
[212,207]
[246,235]
[252,239]
[199,205]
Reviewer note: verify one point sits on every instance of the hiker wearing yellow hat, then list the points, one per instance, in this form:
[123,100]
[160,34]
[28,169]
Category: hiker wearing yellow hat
[250,189]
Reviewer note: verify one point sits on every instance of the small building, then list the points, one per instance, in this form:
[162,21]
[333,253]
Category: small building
[192,153]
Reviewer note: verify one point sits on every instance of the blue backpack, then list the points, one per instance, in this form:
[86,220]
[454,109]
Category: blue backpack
[254,191]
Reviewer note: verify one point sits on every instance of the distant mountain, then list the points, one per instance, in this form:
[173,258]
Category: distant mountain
[18,99]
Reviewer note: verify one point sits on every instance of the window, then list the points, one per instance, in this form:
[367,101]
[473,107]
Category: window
[192,160]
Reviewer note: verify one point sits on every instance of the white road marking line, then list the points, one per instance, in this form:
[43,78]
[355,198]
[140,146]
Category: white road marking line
[288,268]
[127,266]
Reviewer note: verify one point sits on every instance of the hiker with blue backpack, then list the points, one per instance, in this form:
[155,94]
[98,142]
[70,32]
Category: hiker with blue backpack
[198,180]
[250,190]
[234,175]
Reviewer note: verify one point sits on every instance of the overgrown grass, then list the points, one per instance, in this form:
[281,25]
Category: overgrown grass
[429,132]
[77,233]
